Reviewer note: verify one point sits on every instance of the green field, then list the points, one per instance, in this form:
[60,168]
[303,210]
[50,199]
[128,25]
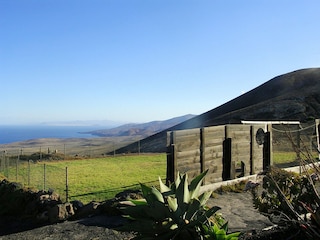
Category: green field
[100,178]
[288,159]
[91,179]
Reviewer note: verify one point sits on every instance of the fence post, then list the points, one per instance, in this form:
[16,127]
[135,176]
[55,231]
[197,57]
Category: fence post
[28,172]
[298,142]
[67,186]
[44,177]
[17,165]
[6,162]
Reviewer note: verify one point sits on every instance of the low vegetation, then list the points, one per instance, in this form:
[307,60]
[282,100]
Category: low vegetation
[291,199]
[100,178]
[177,211]
[90,179]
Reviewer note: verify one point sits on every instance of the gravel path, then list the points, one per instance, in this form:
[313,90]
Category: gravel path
[238,210]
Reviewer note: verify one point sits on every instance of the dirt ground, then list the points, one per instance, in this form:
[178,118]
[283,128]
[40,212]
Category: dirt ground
[237,208]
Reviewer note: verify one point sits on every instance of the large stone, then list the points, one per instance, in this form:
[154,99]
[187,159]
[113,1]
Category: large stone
[60,212]
[90,209]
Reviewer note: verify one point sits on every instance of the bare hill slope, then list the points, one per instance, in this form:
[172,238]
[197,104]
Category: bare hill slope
[292,96]
[142,129]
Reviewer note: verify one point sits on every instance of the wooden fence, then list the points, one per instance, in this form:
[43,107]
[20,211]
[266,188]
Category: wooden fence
[227,151]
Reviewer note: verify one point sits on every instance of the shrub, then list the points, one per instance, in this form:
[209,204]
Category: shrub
[287,198]
[175,212]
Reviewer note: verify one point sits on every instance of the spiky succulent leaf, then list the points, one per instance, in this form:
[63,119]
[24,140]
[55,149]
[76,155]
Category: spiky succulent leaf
[233,236]
[158,196]
[221,234]
[195,184]
[193,209]
[204,197]
[225,226]
[206,215]
[145,189]
[164,188]
[139,202]
[172,203]
[178,180]
[182,191]
[157,213]
[151,194]
[176,210]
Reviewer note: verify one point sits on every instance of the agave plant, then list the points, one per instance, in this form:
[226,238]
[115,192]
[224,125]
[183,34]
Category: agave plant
[173,212]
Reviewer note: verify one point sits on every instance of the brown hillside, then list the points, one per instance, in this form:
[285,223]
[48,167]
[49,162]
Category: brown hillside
[292,96]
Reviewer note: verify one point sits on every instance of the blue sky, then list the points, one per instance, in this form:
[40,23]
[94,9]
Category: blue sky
[145,60]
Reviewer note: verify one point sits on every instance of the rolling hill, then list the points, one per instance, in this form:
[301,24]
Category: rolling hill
[291,96]
[142,130]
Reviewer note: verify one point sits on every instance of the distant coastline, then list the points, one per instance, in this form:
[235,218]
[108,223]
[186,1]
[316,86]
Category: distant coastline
[11,133]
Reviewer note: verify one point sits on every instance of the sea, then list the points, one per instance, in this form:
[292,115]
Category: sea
[10,133]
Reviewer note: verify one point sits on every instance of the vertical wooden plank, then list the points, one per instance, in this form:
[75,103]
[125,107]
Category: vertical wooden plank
[212,143]
[267,151]
[227,156]
[202,151]
[269,127]
[174,155]
[252,142]
[170,159]
[256,149]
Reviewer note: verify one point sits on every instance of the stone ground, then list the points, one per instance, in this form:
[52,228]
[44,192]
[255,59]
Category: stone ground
[237,208]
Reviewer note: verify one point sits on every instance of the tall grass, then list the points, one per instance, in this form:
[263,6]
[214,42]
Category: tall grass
[91,179]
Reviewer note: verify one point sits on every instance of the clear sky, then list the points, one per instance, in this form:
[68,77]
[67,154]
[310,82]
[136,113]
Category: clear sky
[145,60]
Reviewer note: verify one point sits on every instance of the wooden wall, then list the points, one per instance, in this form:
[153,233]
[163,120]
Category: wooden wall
[227,151]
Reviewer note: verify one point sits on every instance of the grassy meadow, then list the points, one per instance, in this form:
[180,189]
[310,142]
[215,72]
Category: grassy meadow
[289,159]
[99,179]
[91,179]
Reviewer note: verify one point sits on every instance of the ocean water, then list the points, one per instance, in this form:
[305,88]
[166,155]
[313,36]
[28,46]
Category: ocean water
[9,134]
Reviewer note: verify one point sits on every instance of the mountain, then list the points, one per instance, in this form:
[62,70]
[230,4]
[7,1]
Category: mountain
[143,130]
[291,96]
[93,123]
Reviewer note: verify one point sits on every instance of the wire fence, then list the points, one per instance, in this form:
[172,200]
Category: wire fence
[64,151]
[35,175]
[27,165]
[284,137]
[46,175]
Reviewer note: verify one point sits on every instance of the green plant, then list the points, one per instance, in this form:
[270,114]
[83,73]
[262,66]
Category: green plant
[288,198]
[173,212]
[215,232]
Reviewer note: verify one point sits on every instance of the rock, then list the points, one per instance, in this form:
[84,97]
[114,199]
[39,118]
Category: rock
[55,197]
[77,205]
[60,212]
[43,217]
[250,185]
[44,197]
[110,208]
[129,195]
[90,209]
